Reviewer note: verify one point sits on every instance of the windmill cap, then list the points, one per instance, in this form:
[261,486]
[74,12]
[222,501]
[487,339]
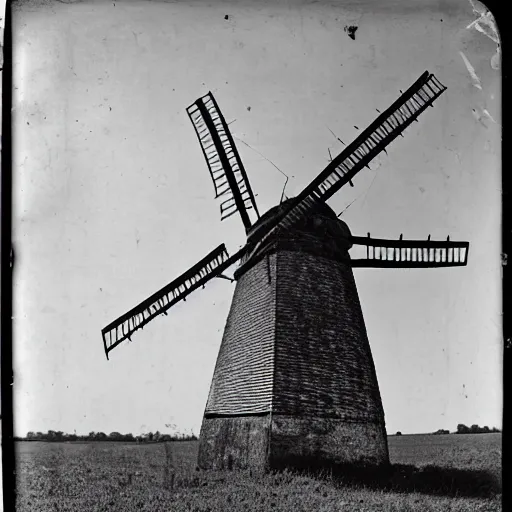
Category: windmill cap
[321,212]
[320,233]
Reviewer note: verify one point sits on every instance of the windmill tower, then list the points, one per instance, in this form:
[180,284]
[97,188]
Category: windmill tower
[294,382]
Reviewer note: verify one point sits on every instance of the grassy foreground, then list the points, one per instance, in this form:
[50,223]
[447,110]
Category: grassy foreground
[429,473]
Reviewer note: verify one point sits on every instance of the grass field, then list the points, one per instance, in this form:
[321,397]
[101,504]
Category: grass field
[429,473]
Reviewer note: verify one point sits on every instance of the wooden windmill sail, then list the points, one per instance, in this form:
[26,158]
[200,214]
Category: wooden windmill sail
[294,380]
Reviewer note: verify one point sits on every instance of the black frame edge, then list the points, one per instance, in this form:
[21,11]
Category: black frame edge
[7,268]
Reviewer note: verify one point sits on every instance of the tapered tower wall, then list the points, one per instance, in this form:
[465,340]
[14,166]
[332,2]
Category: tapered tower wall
[323,363]
[295,381]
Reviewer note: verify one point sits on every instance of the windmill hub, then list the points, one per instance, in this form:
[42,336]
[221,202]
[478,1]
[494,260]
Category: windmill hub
[321,234]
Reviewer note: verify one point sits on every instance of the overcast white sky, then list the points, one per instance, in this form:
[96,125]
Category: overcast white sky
[113,198]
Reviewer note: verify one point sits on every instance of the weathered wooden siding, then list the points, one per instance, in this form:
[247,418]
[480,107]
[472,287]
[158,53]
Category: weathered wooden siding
[242,381]
[323,365]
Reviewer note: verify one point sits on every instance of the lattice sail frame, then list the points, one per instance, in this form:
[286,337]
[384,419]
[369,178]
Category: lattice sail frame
[226,169]
[382,253]
[212,265]
[231,181]
[372,141]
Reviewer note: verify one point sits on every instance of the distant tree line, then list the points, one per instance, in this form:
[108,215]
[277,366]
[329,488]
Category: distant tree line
[157,437]
[475,429]
[463,429]
[150,437]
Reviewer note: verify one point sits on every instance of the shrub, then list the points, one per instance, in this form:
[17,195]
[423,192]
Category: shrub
[475,429]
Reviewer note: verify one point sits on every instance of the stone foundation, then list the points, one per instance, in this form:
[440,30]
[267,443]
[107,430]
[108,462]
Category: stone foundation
[243,443]
[306,442]
[234,443]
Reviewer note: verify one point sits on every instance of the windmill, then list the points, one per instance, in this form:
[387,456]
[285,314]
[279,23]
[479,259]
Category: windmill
[294,380]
